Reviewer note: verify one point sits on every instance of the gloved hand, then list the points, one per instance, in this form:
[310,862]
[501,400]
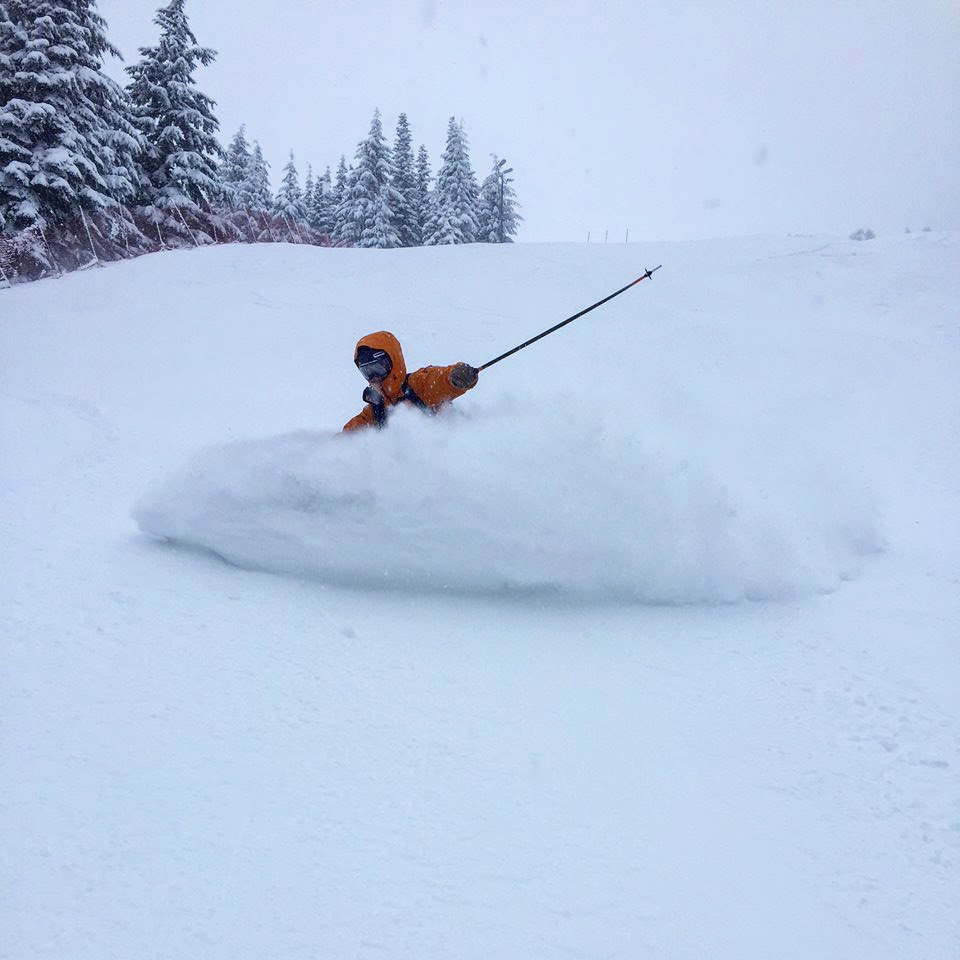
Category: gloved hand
[463,376]
[378,407]
[373,396]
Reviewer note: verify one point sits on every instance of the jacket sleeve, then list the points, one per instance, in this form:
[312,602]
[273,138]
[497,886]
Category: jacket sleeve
[363,419]
[432,385]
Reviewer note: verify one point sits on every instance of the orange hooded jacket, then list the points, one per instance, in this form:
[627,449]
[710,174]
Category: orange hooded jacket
[431,384]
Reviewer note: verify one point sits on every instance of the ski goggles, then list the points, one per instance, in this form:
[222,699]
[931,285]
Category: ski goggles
[373,364]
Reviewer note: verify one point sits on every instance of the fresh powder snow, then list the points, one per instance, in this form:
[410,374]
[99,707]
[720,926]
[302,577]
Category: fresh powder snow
[647,646]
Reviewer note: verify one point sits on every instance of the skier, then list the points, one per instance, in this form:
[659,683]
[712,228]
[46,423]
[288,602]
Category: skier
[379,358]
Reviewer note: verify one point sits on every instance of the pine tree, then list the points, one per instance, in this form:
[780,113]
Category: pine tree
[454,216]
[312,192]
[67,143]
[289,199]
[319,205]
[177,120]
[323,202]
[338,210]
[114,129]
[405,183]
[370,201]
[235,171]
[340,184]
[307,200]
[497,208]
[238,191]
[423,206]
[258,181]
[344,230]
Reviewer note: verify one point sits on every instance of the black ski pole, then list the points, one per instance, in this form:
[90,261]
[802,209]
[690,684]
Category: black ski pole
[563,323]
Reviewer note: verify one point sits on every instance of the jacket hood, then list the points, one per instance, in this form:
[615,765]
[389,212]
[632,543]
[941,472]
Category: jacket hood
[383,340]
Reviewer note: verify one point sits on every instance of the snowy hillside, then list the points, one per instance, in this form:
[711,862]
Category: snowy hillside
[648,648]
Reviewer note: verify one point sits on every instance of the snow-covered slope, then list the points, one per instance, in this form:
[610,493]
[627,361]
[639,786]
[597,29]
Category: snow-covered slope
[649,648]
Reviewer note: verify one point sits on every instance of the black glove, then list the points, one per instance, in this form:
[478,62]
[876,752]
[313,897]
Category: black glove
[374,397]
[463,376]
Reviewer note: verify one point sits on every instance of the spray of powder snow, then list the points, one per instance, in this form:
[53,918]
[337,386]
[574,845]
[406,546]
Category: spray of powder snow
[508,501]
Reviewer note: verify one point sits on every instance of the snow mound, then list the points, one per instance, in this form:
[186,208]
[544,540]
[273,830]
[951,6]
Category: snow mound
[502,501]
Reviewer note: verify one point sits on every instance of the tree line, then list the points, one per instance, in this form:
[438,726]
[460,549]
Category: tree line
[92,171]
[385,199]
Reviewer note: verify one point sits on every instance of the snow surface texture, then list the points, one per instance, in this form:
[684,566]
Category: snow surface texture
[515,759]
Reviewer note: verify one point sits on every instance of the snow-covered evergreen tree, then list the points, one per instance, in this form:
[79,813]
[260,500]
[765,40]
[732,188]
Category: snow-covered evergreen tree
[261,196]
[367,215]
[67,143]
[311,190]
[238,190]
[323,202]
[289,199]
[424,192]
[318,205]
[308,187]
[340,184]
[113,129]
[405,183]
[338,211]
[497,208]
[177,120]
[343,225]
[454,215]
[235,171]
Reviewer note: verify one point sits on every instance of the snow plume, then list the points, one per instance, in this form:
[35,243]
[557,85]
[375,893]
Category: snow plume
[507,501]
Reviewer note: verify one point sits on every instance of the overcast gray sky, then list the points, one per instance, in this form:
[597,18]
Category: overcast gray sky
[672,119]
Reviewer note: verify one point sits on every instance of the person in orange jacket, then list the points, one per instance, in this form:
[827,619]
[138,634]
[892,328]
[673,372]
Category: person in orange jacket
[379,358]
